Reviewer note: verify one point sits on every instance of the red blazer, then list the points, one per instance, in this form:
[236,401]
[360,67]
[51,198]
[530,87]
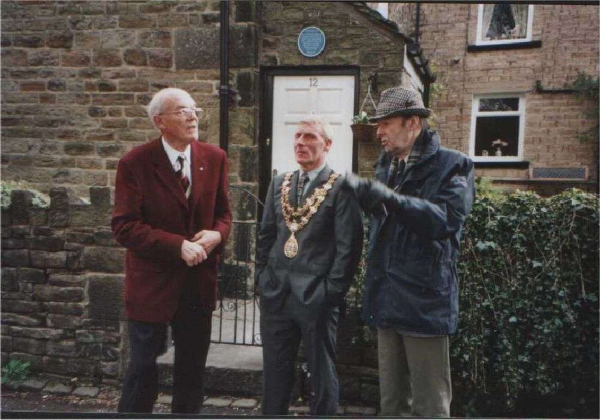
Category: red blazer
[152,217]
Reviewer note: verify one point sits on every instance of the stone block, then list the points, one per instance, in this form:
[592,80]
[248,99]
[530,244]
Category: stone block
[63,308]
[218,402]
[6,343]
[62,39]
[107,86]
[13,243]
[110,369]
[66,280]
[86,238]
[135,57]
[42,58]
[46,293]
[247,88]
[29,345]
[33,384]
[21,306]
[107,58]
[75,58]
[39,333]
[155,39]
[100,197]
[9,281]
[15,258]
[58,388]
[13,58]
[20,320]
[105,297]
[30,275]
[104,260]
[46,259]
[20,204]
[63,321]
[57,85]
[162,58]
[47,243]
[28,40]
[245,403]
[113,99]
[81,367]
[245,11]
[86,391]
[66,347]
[137,21]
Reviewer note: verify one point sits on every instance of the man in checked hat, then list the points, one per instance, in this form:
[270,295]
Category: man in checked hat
[418,204]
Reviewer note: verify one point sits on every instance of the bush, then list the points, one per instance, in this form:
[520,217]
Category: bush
[528,323]
[15,372]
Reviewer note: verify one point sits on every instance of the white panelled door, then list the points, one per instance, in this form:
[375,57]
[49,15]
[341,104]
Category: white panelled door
[296,97]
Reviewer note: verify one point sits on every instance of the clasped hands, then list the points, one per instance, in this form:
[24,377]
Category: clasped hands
[196,250]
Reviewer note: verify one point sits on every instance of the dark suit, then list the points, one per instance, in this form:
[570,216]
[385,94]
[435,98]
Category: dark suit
[300,296]
[152,218]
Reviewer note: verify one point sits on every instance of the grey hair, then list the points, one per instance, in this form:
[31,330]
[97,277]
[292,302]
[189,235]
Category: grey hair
[156,105]
[321,124]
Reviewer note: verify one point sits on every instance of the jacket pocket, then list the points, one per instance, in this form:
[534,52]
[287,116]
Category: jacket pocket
[424,271]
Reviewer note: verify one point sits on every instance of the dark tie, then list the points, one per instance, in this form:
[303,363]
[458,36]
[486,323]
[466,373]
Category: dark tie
[301,185]
[183,179]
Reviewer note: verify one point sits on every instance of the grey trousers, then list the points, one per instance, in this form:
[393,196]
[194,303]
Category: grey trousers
[281,332]
[414,375]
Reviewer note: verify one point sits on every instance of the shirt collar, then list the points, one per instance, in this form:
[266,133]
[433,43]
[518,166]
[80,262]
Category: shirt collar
[314,173]
[174,154]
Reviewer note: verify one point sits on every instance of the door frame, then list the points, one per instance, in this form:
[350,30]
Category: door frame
[265,131]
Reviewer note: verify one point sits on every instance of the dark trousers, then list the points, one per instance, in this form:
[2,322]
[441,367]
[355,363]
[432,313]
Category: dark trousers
[281,332]
[191,333]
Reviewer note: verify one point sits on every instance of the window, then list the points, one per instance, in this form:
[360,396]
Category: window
[497,127]
[504,23]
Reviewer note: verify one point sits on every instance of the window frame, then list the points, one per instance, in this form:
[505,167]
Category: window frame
[480,41]
[475,113]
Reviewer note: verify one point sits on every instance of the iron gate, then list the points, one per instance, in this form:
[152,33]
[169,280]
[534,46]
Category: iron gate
[236,319]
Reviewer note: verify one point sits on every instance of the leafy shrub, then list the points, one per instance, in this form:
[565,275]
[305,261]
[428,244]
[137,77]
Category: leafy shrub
[6,187]
[527,343]
[15,372]
[528,326]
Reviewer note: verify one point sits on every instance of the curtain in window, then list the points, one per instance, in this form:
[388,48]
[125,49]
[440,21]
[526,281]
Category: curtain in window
[504,21]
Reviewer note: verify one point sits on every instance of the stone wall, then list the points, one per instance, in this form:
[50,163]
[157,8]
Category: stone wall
[553,121]
[76,76]
[352,39]
[62,285]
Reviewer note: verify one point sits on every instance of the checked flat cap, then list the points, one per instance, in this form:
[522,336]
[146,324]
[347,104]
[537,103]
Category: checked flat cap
[400,102]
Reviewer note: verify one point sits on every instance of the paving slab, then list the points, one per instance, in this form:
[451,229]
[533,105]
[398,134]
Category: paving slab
[58,388]
[33,384]
[229,356]
[218,402]
[300,409]
[86,391]
[245,403]
[165,399]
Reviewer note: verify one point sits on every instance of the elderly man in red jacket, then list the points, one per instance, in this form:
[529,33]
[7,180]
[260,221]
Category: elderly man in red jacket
[172,214]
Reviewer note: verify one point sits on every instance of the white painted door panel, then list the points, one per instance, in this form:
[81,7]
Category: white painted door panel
[296,97]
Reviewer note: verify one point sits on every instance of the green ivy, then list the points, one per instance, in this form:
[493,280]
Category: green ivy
[528,326]
[527,343]
[588,87]
[39,199]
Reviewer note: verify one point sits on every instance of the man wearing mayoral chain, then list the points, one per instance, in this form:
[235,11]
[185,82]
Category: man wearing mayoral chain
[308,249]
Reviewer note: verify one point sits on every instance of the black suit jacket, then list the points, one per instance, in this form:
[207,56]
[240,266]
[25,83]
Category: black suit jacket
[329,247]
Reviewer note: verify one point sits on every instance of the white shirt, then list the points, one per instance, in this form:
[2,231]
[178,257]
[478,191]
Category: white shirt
[187,159]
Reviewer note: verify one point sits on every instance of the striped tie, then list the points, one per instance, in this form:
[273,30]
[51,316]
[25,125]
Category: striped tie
[181,174]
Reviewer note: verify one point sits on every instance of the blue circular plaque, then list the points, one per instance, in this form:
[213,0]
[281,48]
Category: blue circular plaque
[311,41]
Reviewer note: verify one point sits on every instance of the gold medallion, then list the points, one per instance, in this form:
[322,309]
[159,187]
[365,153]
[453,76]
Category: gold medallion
[296,219]
[291,247]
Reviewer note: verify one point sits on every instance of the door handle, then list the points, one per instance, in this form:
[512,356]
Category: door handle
[268,142]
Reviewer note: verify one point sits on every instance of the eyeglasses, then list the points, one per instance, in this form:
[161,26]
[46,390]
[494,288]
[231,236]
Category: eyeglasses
[186,112]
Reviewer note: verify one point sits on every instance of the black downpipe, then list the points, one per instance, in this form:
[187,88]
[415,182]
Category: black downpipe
[224,88]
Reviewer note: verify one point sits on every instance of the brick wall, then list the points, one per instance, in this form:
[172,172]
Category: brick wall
[62,285]
[76,76]
[553,122]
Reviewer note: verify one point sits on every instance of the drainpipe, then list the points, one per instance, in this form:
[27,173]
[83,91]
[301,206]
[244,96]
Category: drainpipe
[224,87]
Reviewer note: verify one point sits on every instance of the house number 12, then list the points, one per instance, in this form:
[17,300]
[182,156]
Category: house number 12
[314,81]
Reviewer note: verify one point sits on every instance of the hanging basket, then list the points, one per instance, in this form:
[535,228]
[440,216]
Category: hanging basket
[364,132]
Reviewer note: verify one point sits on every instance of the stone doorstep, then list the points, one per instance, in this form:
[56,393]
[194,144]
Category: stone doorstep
[86,391]
[58,388]
[33,384]
[218,402]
